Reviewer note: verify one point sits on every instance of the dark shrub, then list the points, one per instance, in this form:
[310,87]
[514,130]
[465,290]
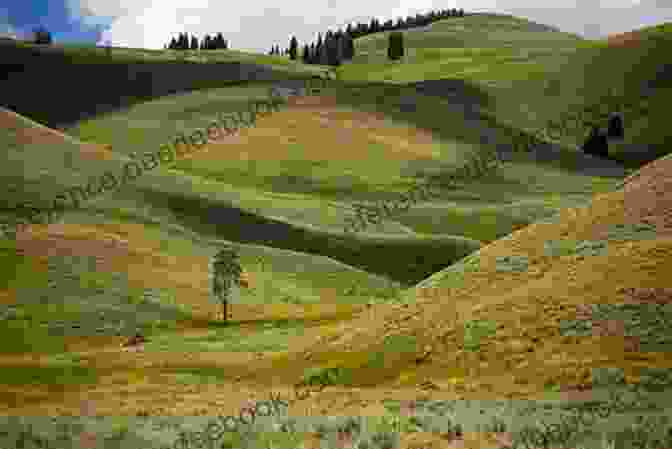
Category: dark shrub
[615,129]
[597,143]
[42,36]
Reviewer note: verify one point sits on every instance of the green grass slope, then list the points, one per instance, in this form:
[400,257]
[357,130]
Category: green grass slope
[558,72]
[604,77]
[467,47]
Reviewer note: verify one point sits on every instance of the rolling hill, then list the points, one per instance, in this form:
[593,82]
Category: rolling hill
[518,286]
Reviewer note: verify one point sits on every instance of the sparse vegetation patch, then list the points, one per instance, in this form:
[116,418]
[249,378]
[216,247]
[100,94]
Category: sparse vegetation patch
[474,331]
[566,247]
[511,264]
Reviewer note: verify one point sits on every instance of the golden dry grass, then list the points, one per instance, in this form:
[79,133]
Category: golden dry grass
[40,134]
[125,248]
[329,131]
[629,39]
[528,306]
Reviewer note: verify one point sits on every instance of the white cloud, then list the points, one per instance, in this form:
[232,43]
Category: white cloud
[6,29]
[252,25]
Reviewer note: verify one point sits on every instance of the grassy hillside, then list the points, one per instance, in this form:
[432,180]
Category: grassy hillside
[214,207]
[630,74]
[558,72]
[540,275]
[518,285]
[565,311]
[468,47]
[314,181]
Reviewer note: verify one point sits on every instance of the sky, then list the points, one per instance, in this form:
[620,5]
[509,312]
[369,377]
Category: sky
[253,25]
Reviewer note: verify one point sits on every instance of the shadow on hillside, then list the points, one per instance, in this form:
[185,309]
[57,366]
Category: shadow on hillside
[59,89]
[469,98]
[378,255]
[456,90]
[576,161]
[254,324]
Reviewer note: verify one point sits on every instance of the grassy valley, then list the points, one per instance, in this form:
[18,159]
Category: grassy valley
[511,293]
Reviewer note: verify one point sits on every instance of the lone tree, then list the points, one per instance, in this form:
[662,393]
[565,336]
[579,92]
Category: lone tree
[395,49]
[226,269]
